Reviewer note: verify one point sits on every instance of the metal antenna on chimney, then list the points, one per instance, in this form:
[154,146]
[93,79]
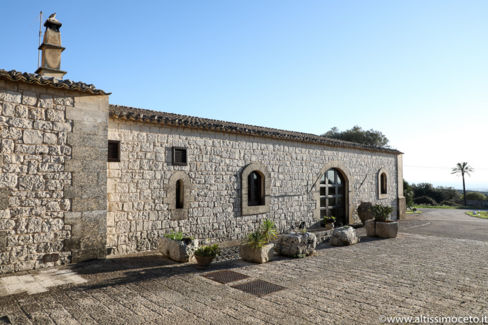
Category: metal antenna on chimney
[40,36]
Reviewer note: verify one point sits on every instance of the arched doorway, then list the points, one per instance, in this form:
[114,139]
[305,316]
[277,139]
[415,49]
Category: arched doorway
[332,196]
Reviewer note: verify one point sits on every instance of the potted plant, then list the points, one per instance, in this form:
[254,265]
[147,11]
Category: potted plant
[177,246]
[381,212]
[384,227]
[365,212]
[328,222]
[205,254]
[259,247]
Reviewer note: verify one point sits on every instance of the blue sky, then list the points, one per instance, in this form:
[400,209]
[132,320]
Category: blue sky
[416,70]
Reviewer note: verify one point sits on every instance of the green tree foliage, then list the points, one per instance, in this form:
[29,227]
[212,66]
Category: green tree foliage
[408,193]
[463,169]
[425,200]
[476,196]
[358,135]
[437,194]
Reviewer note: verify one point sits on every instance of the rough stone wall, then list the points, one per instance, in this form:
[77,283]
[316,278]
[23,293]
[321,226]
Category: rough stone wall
[88,190]
[137,186]
[33,133]
[37,164]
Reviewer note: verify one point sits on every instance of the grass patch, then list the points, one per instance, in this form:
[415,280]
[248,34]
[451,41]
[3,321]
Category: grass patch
[478,214]
[414,212]
[426,206]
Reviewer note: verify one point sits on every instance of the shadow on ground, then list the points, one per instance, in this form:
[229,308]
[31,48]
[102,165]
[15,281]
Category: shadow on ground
[124,270]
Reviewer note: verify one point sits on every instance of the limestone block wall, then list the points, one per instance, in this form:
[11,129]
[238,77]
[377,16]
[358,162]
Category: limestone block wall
[88,189]
[138,186]
[34,150]
[38,164]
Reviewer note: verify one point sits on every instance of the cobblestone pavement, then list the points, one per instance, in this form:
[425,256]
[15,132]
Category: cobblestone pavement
[412,275]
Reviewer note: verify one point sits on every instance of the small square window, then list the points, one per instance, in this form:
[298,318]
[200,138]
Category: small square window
[113,151]
[179,156]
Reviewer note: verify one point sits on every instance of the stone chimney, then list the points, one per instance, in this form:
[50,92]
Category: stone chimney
[51,50]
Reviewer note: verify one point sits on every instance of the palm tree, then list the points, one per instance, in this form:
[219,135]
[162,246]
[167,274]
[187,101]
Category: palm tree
[462,168]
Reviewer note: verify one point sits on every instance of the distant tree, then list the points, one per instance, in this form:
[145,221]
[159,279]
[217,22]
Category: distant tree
[425,189]
[439,194]
[358,135]
[475,196]
[408,193]
[463,169]
[448,194]
[425,200]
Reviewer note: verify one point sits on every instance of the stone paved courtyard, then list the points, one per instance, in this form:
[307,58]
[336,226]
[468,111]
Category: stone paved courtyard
[422,272]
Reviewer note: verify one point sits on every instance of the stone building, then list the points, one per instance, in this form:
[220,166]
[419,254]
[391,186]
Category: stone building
[83,179]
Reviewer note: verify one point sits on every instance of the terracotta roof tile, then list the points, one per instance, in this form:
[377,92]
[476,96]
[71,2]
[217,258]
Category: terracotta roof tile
[35,79]
[177,120]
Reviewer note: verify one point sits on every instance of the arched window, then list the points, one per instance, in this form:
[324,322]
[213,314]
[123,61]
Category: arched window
[255,188]
[383,184]
[382,178]
[180,194]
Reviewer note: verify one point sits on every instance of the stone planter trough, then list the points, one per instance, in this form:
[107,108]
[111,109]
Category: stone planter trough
[256,254]
[370,228]
[178,250]
[386,229]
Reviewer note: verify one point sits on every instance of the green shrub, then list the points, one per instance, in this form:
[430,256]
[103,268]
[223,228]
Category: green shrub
[208,251]
[330,219]
[266,233]
[178,236]
[408,193]
[438,194]
[450,203]
[381,212]
[425,200]
[269,231]
[256,239]
[475,196]
[175,235]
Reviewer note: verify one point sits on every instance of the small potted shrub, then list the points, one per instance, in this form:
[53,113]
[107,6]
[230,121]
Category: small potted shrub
[381,212]
[384,227]
[177,246]
[205,254]
[329,222]
[259,247]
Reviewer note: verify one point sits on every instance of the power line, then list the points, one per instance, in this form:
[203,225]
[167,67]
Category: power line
[441,167]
